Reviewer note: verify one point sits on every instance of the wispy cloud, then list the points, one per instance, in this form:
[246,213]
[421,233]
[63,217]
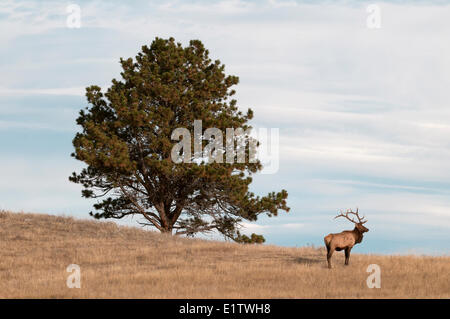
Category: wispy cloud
[77,91]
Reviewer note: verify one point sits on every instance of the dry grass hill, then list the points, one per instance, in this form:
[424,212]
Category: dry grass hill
[125,262]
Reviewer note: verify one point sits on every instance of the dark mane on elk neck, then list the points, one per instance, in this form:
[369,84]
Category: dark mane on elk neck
[359,235]
[347,239]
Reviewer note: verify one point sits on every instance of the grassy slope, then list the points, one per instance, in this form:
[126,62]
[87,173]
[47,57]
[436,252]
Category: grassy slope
[122,262]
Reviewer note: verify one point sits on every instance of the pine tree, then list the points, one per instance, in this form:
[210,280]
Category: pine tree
[127,145]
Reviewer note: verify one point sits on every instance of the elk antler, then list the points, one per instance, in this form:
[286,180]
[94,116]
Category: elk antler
[360,219]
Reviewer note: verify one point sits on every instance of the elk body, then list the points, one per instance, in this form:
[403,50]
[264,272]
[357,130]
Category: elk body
[346,239]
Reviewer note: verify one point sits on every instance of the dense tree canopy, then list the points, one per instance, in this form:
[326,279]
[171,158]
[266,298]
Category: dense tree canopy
[126,142]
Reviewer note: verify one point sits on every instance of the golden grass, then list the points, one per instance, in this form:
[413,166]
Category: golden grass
[126,262]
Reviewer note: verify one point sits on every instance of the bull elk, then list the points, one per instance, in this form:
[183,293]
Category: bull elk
[346,239]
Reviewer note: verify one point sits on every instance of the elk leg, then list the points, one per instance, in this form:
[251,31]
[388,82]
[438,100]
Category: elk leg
[329,254]
[347,254]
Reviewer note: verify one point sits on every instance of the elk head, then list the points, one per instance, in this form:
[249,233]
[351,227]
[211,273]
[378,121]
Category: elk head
[358,224]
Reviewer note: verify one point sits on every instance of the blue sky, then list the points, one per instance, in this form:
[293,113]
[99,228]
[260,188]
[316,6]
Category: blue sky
[363,114]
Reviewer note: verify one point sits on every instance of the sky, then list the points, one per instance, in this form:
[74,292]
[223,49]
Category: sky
[363,113]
